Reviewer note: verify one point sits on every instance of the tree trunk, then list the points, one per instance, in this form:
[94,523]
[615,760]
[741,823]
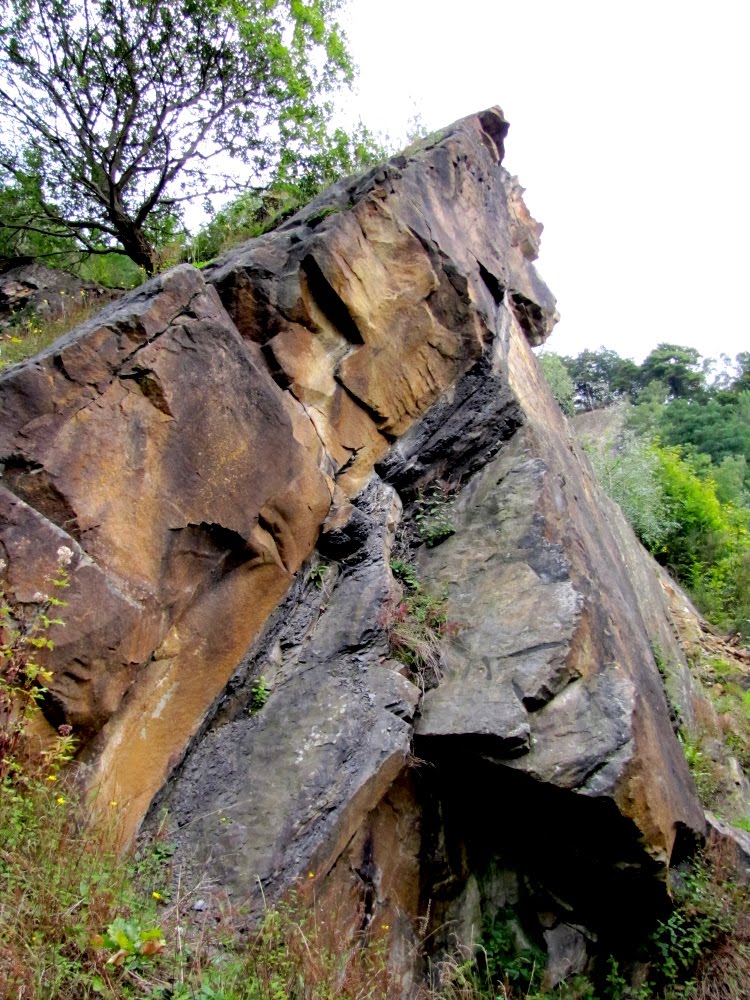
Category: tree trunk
[134,241]
[137,247]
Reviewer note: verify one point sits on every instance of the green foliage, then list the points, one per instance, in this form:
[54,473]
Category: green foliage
[318,574]
[732,704]
[678,368]
[405,572]
[709,548]
[20,211]
[259,694]
[129,942]
[702,768]
[630,473]
[117,114]
[24,634]
[601,378]
[111,270]
[559,380]
[432,515]
[417,625]
[708,907]
[511,961]
[719,429]
[679,517]
[300,175]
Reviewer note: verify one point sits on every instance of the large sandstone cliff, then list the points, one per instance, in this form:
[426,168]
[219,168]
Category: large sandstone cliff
[232,456]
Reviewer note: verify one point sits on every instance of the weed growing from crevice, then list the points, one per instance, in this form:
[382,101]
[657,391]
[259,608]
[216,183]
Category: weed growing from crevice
[318,574]
[259,694]
[417,626]
[432,514]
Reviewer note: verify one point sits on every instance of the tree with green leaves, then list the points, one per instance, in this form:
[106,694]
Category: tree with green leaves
[559,380]
[602,377]
[679,368]
[117,113]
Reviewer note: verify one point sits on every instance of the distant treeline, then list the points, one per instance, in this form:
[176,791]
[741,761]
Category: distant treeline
[679,465]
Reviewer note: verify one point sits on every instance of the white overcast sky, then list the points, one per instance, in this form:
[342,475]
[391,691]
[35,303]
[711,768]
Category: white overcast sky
[629,131]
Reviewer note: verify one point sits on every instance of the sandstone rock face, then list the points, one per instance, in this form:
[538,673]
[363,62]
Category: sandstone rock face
[199,440]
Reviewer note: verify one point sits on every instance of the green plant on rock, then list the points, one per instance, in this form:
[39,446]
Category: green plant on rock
[417,626]
[23,679]
[432,515]
[702,768]
[512,962]
[259,693]
[406,573]
[318,574]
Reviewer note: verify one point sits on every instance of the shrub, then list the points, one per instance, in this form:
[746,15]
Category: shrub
[631,475]
[559,380]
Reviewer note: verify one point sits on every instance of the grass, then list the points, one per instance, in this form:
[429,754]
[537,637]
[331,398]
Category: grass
[417,626]
[31,335]
[79,920]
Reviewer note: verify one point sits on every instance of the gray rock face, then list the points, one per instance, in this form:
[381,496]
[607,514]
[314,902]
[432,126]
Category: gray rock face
[266,794]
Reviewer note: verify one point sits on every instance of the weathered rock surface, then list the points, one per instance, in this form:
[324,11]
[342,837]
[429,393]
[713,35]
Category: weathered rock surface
[194,442]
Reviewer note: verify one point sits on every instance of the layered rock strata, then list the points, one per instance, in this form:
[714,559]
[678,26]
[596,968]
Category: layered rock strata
[195,442]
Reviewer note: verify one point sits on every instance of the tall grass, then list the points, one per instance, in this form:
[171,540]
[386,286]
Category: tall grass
[32,334]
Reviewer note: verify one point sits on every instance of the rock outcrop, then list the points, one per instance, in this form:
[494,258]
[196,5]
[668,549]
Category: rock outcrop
[31,289]
[236,456]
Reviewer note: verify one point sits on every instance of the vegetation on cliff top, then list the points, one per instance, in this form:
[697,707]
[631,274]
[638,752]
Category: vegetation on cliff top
[117,115]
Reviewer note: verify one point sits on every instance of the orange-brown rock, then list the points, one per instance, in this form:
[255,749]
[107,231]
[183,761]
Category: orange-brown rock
[155,445]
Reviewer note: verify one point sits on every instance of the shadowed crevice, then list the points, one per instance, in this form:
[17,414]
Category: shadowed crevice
[329,302]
